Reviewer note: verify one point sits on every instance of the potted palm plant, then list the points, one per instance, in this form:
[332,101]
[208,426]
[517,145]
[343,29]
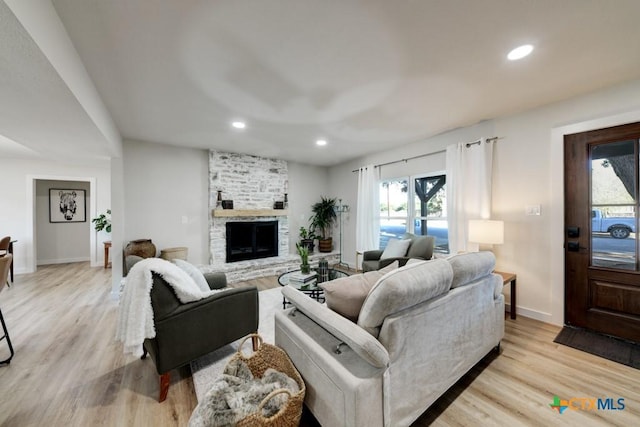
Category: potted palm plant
[323,218]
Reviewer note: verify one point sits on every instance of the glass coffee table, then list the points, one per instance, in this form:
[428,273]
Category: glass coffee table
[313,290]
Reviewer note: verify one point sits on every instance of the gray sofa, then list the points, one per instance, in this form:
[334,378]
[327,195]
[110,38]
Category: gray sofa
[420,329]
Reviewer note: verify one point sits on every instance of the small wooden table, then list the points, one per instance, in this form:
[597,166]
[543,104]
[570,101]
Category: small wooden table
[510,278]
[107,245]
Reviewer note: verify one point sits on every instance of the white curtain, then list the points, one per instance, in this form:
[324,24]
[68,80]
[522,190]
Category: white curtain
[367,222]
[469,170]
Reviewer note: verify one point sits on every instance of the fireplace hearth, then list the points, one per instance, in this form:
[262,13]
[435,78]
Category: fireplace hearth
[247,240]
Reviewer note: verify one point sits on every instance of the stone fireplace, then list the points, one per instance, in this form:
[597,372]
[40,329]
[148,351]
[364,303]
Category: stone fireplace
[254,184]
[246,240]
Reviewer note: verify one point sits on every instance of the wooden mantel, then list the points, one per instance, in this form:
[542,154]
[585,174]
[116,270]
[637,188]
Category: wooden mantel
[237,213]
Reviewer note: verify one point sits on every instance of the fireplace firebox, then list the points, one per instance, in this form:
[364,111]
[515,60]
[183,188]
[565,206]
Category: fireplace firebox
[251,240]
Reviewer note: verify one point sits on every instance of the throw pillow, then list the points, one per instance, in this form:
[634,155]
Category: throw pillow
[395,248]
[194,273]
[346,295]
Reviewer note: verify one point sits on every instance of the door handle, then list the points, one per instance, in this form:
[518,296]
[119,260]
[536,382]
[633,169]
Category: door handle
[575,247]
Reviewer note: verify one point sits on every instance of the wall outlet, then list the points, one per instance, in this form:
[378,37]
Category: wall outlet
[532,210]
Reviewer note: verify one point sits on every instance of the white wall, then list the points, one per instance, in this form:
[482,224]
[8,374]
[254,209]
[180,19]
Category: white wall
[166,194]
[61,242]
[163,184]
[306,184]
[18,177]
[528,170]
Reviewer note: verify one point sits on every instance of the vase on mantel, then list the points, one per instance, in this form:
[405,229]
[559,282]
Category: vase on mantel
[143,248]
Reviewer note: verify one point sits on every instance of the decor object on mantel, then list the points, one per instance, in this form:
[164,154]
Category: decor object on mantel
[227,204]
[323,218]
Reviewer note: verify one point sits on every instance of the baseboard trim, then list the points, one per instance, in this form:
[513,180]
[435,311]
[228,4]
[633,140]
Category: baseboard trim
[61,261]
[533,314]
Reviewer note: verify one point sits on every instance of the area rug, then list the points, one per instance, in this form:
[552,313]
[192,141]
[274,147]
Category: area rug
[610,348]
[207,369]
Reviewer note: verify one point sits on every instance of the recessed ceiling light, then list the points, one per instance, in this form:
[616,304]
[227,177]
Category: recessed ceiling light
[238,124]
[520,52]
[321,142]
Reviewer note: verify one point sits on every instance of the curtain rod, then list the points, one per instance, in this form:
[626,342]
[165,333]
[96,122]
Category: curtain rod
[468,144]
[488,140]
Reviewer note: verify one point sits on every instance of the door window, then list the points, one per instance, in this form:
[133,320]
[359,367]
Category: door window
[614,205]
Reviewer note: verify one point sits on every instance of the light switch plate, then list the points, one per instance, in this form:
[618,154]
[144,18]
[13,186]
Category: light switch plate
[532,210]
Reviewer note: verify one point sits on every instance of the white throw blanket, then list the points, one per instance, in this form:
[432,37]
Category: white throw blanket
[135,316]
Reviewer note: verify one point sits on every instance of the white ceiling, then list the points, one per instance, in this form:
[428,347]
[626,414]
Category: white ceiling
[365,75]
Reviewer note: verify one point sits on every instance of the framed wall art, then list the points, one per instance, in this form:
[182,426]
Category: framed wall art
[67,205]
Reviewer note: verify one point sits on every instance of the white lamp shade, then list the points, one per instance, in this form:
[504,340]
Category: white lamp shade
[486,231]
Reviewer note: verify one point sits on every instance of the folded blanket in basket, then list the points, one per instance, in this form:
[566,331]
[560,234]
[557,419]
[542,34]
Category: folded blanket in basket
[237,394]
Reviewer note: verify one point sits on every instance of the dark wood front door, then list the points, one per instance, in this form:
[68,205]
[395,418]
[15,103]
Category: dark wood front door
[602,274]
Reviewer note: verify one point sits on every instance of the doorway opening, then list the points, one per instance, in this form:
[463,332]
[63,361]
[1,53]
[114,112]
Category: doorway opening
[31,240]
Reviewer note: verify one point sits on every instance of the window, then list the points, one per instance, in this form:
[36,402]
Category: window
[430,209]
[394,203]
[425,215]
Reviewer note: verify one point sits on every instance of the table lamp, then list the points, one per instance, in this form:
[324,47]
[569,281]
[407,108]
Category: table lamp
[486,233]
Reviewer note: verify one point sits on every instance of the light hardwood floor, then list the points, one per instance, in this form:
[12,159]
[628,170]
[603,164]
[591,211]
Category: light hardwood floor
[68,369]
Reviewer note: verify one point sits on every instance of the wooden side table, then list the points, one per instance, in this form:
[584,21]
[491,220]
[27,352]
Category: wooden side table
[107,245]
[510,278]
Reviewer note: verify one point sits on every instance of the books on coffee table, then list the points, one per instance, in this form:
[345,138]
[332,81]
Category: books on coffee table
[298,278]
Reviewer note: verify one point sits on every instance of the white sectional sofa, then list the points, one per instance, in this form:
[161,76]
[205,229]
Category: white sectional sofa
[420,328]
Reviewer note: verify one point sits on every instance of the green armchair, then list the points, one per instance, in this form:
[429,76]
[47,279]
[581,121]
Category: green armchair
[185,332]
[421,247]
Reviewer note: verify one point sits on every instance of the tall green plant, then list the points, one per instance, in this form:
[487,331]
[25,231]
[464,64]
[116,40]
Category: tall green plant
[303,251]
[324,216]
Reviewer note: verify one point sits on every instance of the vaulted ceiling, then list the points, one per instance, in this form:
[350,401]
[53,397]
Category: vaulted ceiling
[364,75]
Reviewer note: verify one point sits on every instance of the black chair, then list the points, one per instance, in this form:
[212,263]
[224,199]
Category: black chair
[5,263]
[185,332]
[421,247]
